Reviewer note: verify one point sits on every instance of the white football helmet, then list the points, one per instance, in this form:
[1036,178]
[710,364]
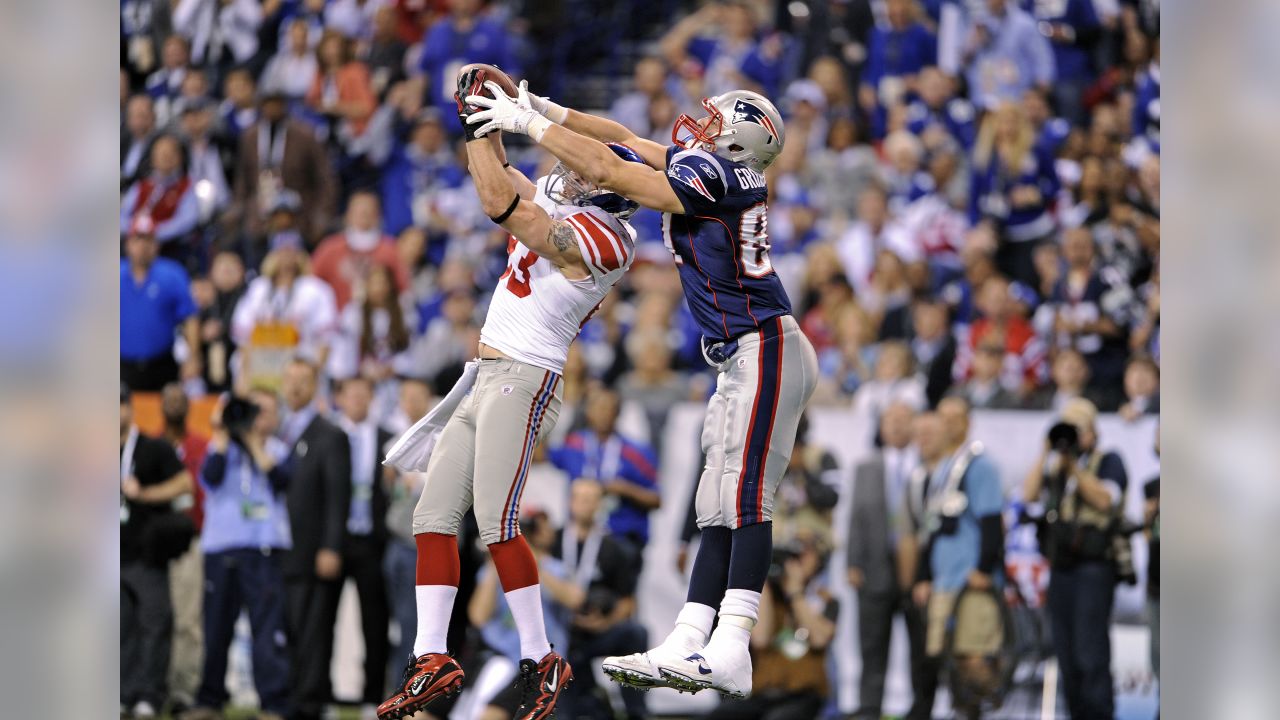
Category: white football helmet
[741,126]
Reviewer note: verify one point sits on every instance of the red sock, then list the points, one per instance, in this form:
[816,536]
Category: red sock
[515,563]
[438,562]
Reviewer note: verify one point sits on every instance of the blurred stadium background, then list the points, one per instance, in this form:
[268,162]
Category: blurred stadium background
[968,203]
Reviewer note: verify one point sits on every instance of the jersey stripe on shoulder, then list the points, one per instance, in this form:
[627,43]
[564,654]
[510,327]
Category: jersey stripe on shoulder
[620,245]
[585,240]
[596,238]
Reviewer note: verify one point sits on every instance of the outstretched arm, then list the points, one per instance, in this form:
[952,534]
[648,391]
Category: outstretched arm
[517,214]
[602,129]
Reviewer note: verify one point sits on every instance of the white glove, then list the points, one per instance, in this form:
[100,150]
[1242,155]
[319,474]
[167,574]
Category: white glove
[509,114]
[547,108]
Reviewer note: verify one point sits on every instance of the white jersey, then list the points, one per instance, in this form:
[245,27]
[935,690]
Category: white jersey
[536,312]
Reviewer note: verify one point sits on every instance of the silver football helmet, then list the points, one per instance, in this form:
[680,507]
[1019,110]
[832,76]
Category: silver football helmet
[741,126]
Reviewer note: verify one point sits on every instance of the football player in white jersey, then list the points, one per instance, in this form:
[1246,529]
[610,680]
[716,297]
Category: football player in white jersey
[570,243]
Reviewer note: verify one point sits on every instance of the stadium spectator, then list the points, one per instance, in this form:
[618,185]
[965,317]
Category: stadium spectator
[876,567]
[847,364]
[958,550]
[418,167]
[797,624]
[983,389]
[144,25]
[164,84]
[239,110]
[652,384]
[401,559]
[151,478]
[1022,367]
[874,230]
[451,338]
[1091,309]
[319,502]
[365,542]
[896,52]
[223,33]
[894,381]
[373,340]
[463,36]
[226,276]
[285,312]
[842,170]
[385,51]
[602,565]
[246,533]
[135,141]
[1069,375]
[1011,188]
[343,260]
[353,18]
[341,91]
[1072,28]
[1141,388]
[166,196]
[933,346]
[186,574]
[1081,491]
[718,42]
[1005,55]
[937,109]
[649,86]
[293,70]
[278,153]
[626,470]
[208,158]
[155,302]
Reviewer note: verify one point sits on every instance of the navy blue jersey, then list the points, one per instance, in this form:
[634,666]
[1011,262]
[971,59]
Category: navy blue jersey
[721,244]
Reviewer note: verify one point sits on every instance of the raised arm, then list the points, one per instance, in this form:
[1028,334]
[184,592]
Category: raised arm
[518,215]
[602,129]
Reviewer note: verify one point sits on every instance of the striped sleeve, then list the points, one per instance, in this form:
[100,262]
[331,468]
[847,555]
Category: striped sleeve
[604,249]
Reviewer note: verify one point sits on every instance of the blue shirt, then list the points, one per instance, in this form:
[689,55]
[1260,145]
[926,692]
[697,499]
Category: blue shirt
[445,49]
[244,508]
[408,175]
[955,555]
[956,116]
[990,195]
[150,312]
[894,53]
[721,244]
[583,455]
[1017,58]
[1071,59]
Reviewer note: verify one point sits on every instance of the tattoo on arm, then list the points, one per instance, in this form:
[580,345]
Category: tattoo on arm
[561,236]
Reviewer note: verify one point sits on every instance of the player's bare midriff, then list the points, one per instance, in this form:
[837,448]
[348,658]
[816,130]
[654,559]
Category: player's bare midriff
[492,353]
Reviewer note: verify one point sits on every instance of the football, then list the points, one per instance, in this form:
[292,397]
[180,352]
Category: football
[477,74]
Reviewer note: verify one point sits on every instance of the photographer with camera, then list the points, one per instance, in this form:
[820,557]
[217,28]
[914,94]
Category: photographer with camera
[1081,492]
[954,503]
[246,531]
[789,643]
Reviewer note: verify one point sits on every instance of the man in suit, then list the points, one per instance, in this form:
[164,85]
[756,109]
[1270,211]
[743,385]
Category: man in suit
[933,346]
[881,564]
[278,153]
[319,501]
[366,538]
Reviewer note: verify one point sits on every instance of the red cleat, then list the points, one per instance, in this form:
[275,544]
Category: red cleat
[543,682]
[426,679]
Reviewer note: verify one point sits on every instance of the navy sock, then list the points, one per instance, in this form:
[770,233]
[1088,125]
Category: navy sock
[752,553]
[711,567]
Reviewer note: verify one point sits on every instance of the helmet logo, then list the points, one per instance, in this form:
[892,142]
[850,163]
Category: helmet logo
[744,111]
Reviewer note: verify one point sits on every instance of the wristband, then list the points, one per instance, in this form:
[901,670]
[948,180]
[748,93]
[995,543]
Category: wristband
[507,213]
[556,113]
[537,127]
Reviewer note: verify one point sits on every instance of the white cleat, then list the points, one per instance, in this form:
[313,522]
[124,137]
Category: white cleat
[728,673]
[640,670]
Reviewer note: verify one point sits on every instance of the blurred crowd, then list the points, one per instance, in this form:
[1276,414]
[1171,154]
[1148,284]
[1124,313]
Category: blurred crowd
[967,206]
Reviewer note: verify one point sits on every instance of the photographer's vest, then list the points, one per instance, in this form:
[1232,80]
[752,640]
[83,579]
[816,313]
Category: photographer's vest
[1072,509]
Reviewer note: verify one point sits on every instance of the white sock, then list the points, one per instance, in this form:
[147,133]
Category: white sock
[744,603]
[435,605]
[732,635]
[693,627]
[526,609]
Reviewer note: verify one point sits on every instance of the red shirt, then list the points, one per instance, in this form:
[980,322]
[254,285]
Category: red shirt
[191,451]
[1024,353]
[337,264]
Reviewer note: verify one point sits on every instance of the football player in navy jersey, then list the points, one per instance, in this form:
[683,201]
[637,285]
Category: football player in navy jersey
[710,187]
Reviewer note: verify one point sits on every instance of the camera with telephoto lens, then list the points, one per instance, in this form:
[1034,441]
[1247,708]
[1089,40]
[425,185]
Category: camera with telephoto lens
[238,416]
[1064,438]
